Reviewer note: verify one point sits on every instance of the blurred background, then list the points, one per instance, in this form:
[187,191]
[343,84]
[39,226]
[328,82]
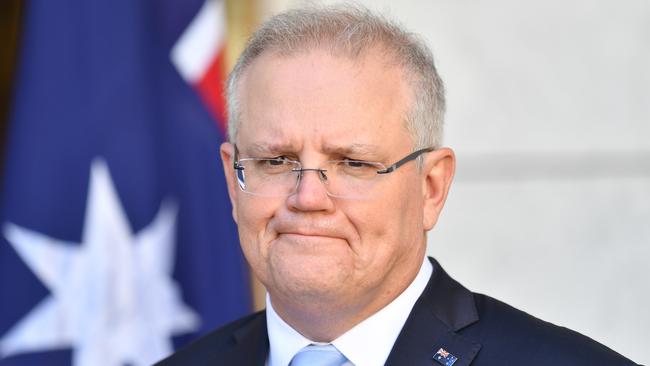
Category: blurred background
[549,114]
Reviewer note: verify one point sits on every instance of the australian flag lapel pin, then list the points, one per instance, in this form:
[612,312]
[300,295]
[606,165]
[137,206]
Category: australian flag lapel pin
[445,358]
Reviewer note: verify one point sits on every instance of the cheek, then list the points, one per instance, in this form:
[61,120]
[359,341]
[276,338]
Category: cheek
[392,222]
[254,212]
[376,226]
[253,216]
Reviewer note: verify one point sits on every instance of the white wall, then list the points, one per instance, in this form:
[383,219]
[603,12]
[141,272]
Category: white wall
[549,113]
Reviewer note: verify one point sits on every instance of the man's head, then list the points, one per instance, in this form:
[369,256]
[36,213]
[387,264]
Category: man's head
[322,85]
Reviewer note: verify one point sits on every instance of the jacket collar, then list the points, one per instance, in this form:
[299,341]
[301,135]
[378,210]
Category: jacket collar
[251,345]
[444,308]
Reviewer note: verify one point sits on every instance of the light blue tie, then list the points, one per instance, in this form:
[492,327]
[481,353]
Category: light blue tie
[314,355]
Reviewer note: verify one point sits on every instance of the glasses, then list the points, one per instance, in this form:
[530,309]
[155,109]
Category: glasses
[280,177]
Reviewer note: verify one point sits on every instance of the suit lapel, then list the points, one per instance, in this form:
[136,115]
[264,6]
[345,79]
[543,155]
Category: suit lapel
[251,345]
[443,308]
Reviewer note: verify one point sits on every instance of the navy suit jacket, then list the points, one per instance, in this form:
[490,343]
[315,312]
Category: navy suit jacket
[475,329]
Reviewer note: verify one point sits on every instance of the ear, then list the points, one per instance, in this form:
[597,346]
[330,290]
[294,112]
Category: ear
[227,152]
[438,172]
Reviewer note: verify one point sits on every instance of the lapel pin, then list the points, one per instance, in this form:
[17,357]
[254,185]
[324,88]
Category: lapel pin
[445,358]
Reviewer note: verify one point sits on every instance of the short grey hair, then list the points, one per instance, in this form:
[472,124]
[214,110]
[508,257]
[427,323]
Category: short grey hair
[349,30]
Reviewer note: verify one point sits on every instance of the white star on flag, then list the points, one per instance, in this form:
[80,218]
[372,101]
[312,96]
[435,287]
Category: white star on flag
[112,296]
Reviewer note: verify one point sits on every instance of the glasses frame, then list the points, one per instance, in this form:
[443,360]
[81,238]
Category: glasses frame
[321,172]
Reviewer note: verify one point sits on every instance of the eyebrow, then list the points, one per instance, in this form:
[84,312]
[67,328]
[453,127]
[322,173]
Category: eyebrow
[264,148]
[351,149]
[332,149]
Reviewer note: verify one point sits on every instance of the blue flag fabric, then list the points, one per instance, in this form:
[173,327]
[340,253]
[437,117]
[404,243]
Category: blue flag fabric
[117,235]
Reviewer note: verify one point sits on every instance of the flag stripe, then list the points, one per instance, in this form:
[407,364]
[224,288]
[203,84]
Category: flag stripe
[201,41]
[199,57]
[210,88]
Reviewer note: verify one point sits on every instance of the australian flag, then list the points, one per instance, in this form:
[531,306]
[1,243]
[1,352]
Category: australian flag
[117,242]
[445,358]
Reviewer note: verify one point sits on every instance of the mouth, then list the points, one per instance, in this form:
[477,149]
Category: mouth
[310,231]
[312,240]
[309,234]
[303,237]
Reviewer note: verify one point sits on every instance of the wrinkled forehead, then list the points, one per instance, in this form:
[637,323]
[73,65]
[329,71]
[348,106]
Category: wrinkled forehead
[316,97]
[323,95]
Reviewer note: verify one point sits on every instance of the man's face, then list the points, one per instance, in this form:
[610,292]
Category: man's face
[311,248]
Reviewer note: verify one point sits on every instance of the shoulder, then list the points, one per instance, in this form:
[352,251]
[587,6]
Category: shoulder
[215,343]
[509,333]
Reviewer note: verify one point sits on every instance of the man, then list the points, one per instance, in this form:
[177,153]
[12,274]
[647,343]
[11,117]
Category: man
[336,173]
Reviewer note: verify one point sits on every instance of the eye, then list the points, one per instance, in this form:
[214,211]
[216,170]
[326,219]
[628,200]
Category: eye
[280,160]
[274,165]
[353,168]
[359,164]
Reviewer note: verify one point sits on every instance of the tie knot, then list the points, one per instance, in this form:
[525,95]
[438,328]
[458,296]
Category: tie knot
[314,355]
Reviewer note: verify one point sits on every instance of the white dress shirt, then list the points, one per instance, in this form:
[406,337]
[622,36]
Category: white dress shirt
[367,344]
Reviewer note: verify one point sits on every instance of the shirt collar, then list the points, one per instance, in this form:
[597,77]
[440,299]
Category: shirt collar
[284,341]
[367,343]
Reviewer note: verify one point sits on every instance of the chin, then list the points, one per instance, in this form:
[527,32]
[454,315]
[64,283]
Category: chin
[310,278]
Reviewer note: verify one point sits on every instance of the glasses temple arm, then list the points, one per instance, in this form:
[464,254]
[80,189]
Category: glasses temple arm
[406,159]
[235,162]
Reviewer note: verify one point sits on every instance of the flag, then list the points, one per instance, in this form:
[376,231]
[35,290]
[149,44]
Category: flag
[445,358]
[117,242]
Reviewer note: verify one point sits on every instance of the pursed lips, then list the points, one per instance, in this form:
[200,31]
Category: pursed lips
[309,231]
[312,229]
[309,228]
[310,234]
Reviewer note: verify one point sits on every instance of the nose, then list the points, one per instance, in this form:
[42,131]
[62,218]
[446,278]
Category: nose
[311,194]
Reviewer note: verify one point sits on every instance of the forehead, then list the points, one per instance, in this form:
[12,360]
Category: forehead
[314,97]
